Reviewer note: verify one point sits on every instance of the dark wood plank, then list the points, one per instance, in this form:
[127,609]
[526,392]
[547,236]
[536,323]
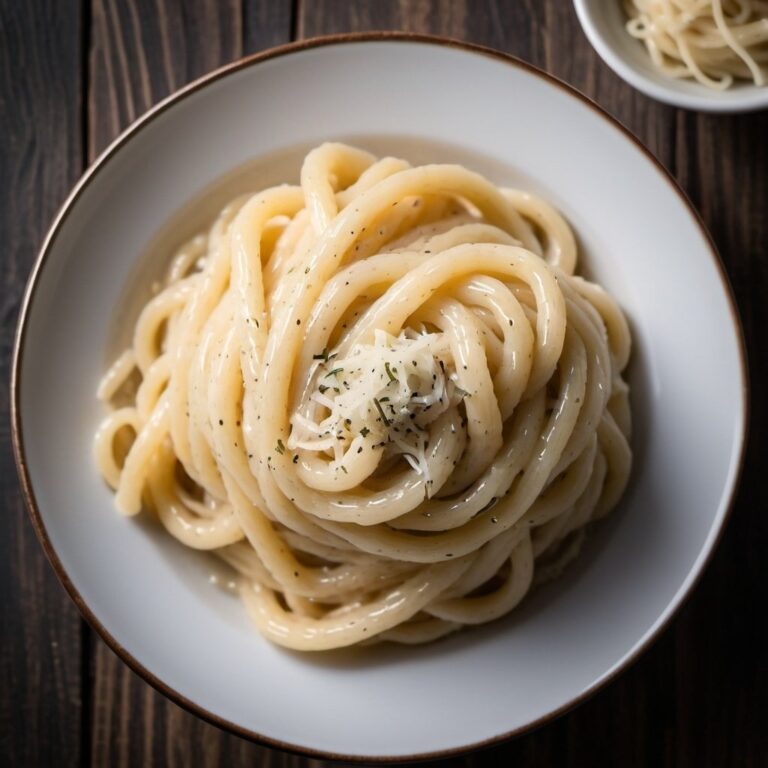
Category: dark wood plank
[40,157]
[698,697]
[143,50]
[140,52]
[266,24]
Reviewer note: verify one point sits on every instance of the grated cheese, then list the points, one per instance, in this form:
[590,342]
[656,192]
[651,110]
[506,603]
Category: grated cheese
[388,392]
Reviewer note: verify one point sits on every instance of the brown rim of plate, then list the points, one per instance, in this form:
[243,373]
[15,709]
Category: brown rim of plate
[16,427]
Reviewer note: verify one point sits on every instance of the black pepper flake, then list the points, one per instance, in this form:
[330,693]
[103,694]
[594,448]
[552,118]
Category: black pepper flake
[221,422]
[296,458]
[280,448]
[298,322]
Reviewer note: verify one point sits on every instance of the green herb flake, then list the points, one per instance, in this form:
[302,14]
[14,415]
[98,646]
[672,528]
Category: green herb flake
[381,412]
[324,356]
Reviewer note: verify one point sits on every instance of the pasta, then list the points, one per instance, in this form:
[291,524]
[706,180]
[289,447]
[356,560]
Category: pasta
[382,397]
[711,41]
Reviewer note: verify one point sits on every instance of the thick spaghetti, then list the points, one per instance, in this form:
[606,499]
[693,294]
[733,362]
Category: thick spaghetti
[382,396]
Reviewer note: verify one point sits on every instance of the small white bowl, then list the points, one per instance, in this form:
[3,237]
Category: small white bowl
[425,99]
[603,22]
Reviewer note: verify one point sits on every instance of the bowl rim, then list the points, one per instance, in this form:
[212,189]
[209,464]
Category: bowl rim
[752,100]
[684,591]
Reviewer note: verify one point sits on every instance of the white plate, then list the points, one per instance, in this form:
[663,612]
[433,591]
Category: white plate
[603,23]
[151,599]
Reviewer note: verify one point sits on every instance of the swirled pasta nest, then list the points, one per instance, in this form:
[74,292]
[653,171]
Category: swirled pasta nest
[381,396]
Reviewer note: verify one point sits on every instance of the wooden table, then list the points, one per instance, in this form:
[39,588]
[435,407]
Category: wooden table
[73,73]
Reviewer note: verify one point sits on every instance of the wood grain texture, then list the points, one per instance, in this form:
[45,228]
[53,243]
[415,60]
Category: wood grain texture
[267,23]
[699,697]
[143,50]
[40,158]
